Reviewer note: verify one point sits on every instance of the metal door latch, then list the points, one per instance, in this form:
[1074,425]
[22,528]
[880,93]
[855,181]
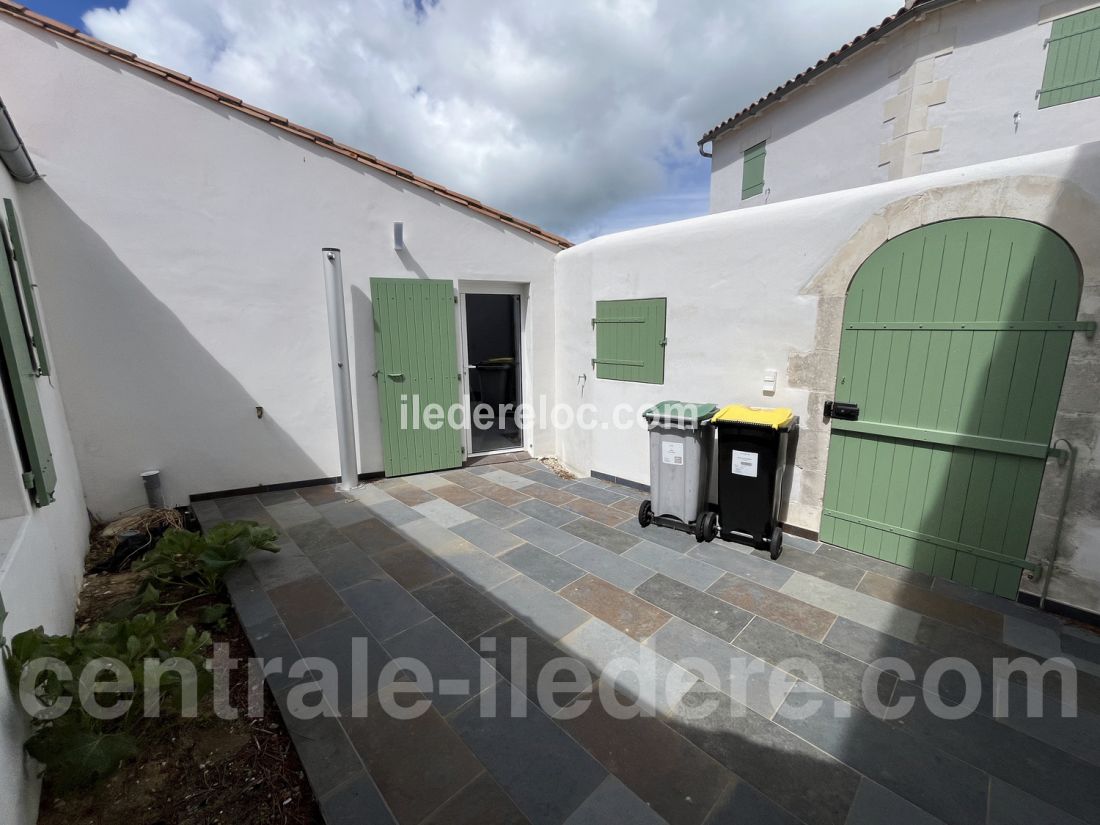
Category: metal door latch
[841,410]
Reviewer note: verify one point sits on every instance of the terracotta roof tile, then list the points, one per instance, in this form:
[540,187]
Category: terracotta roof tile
[910,11]
[20,12]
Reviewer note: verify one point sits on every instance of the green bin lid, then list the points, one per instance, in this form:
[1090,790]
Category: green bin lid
[682,412]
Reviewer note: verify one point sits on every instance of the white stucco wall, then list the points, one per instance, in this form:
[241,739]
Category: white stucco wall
[183,274]
[743,296]
[984,59]
[41,550]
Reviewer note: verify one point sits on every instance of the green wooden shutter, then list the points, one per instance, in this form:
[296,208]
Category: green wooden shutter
[1073,60]
[30,304]
[20,373]
[752,182]
[630,340]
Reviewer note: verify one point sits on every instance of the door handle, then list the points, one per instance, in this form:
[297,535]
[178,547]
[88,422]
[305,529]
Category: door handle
[842,411]
[395,375]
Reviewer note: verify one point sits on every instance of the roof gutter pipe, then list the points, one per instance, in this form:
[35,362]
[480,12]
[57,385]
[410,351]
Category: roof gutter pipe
[12,151]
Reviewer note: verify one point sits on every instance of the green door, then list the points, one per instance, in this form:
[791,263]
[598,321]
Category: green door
[416,358]
[954,346]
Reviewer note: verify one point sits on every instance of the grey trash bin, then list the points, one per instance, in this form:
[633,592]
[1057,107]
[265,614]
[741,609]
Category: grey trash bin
[679,466]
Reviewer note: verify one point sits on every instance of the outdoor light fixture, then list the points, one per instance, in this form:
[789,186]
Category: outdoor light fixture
[398,236]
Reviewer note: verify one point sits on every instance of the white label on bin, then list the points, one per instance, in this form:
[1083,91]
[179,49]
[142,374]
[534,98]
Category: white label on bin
[744,464]
[672,452]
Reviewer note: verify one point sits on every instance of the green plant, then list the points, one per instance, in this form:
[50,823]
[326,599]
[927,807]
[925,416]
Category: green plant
[77,747]
[200,562]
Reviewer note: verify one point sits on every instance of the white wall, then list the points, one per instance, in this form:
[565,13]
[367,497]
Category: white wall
[986,58]
[742,291]
[41,549]
[183,275]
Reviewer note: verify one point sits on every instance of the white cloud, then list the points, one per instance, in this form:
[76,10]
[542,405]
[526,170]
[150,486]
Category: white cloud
[564,113]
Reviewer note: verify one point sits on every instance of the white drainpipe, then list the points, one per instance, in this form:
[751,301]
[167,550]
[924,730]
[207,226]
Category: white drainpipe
[341,377]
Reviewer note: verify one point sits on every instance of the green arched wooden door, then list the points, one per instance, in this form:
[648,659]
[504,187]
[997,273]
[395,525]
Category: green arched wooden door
[954,346]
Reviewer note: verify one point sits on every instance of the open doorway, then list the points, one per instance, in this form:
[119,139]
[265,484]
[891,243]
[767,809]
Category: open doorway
[492,327]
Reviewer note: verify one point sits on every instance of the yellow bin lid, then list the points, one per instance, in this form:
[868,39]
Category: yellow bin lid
[777,418]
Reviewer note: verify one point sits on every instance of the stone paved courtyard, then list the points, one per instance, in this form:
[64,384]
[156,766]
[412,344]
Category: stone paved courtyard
[456,568]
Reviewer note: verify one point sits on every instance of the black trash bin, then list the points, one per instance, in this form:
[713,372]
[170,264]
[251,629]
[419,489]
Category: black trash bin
[751,461]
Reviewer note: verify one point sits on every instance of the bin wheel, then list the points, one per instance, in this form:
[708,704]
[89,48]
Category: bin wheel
[706,527]
[645,513]
[775,546]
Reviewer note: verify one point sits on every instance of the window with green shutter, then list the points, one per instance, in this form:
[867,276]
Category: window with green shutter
[20,372]
[630,340]
[752,180]
[29,307]
[1073,60]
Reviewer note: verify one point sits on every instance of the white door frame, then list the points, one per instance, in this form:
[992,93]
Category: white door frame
[523,350]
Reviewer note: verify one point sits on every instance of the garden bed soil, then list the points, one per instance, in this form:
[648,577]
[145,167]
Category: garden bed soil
[199,771]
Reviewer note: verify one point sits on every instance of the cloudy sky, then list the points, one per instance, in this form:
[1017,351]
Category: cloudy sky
[580,115]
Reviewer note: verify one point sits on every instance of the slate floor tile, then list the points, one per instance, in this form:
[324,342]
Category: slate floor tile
[288,565]
[672,539]
[633,616]
[418,764]
[443,512]
[344,512]
[939,783]
[542,609]
[748,679]
[307,605]
[600,534]
[649,680]
[742,803]
[824,568]
[757,569]
[457,672]
[851,604]
[479,803]
[883,568]
[270,641]
[544,536]
[523,656]
[503,495]
[373,535]
[549,479]
[509,746]
[592,493]
[675,778]
[345,564]
[809,783]
[1039,769]
[409,566]
[487,536]
[800,543]
[277,497]
[541,510]
[840,675]
[292,513]
[406,493]
[465,610]
[618,570]
[545,568]
[612,801]
[597,512]
[684,569]
[355,802]
[713,615]
[551,495]
[874,805]
[476,566]
[318,494]
[327,755]
[456,494]
[394,512]
[495,513]
[427,481]
[242,508]
[515,481]
[938,606]
[314,536]
[810,621]
[1008,805]
[384,606]
[356,660]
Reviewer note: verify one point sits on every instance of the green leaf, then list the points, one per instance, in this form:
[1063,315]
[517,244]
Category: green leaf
[75,756]
[213,614]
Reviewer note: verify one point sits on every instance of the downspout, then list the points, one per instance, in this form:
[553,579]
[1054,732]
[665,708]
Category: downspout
[1067,457]
[13,153]
[703,151]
